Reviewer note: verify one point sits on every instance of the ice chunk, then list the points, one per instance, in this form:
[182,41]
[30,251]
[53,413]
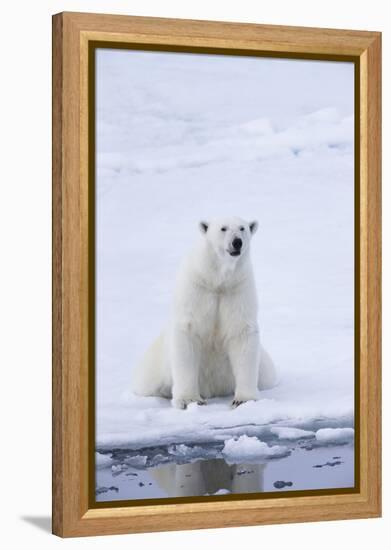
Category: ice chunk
[189,452]
[222,492]
[335,435]
[118,468]
[251,448]
[102,460]
[136,461]
[181,450]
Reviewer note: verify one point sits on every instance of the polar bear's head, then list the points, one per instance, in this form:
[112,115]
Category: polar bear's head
[229,237]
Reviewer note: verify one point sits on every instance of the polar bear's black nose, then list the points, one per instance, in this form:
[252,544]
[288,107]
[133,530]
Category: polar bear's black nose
[237,243]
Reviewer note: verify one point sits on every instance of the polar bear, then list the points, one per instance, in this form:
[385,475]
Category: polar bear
[211,345]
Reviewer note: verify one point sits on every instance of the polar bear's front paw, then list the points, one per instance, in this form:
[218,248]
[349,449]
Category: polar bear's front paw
[182,403]
[239,401]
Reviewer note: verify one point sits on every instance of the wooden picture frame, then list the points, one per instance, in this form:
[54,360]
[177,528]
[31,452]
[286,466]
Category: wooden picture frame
[73,34]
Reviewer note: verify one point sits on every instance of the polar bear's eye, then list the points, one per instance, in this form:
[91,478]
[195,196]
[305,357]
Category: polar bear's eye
[224,229]
[241,228]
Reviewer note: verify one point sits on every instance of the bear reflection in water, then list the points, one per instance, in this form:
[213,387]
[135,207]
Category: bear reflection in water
[209,477]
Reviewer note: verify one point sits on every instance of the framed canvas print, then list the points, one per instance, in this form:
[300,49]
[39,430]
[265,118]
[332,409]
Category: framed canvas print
[216,274]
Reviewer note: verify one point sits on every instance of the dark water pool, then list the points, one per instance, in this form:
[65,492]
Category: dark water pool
[201,470]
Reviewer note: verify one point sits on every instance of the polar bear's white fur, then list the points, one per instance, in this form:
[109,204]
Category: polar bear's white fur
[211,345]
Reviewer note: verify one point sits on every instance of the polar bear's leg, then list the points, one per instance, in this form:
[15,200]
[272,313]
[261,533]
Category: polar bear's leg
[186,354]
[243,353]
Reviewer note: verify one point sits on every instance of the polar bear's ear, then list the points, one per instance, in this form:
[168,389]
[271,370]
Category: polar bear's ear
[203,226]
[253,227]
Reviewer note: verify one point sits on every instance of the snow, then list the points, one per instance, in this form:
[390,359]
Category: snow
[247,448]
[144,424]
[335,435]
[184,137]
[292,433]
